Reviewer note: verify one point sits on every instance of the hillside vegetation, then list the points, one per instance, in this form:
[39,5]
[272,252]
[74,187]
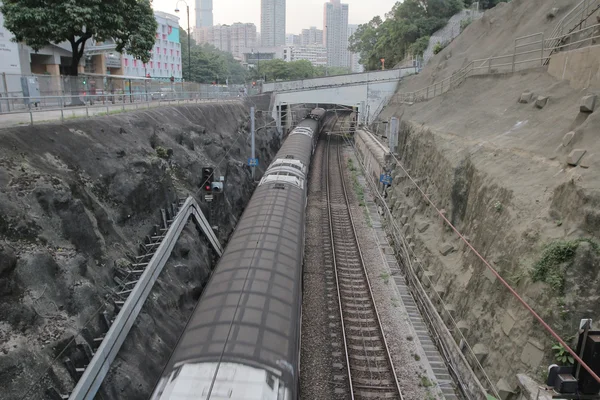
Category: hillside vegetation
[405,30]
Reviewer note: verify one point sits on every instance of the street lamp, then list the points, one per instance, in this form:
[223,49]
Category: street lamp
[189,38]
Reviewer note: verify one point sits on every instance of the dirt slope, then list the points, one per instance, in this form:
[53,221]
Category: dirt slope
[499,170]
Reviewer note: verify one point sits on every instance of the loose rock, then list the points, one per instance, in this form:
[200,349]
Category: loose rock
[588,103]
[575,157]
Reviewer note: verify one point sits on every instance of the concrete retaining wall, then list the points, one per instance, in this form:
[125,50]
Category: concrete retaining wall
[373,154]
[581,67]
[339,80]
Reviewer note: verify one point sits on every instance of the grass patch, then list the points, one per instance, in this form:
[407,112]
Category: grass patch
[556,258]
[426,382]
[385,277]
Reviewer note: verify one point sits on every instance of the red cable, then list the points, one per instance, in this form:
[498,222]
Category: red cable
[514,293]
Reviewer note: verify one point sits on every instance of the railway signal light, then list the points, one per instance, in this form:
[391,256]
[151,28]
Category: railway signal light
[207,178]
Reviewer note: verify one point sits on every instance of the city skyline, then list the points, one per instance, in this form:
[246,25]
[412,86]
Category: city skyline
[301,14]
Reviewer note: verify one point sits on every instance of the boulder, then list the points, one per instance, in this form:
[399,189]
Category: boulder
[552,13]
[588,103]
[587,161]
[446,248]
[541,101]
[568,138]
[422,227]
[575,157]
[525,97]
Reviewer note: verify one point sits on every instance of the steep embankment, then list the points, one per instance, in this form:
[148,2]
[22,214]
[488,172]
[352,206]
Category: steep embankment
[76,200]
[498,168]
[492,35]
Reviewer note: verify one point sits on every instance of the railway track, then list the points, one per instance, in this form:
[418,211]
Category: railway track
[365,359]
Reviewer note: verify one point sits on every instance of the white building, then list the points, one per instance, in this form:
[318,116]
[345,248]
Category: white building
[272,23]
[292,40]
[354,63]
[204,13]
[230,38]
[311,36]
[335,34]
[316,54]
[166,55]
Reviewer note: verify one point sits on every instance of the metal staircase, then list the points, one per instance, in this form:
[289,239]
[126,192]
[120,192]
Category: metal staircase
[88,362]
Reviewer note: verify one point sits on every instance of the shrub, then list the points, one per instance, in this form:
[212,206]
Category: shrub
[556,258]
[464,23]
[438,47]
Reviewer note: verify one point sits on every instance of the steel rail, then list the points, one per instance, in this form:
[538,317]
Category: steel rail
[364,270]
[337,283]
[99,366]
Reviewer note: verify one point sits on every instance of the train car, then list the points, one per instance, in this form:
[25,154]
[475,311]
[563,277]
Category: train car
[243,339]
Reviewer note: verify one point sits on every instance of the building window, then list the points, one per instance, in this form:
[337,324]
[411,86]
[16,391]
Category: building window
[157,49]
[178,67]
[177,53]
[159,65]
[151,64]
[165,50]
[171,52]
[164,36]
[126,62]
[135,63]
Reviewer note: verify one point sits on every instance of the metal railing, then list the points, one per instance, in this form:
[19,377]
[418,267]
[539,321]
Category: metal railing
[576,18]
[529,52]
[66,107]
[21,93]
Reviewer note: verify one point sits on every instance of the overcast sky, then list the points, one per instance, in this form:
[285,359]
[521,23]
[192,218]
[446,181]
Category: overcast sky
[300,13]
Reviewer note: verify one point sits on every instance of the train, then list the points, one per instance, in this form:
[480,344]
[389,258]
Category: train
[243,338]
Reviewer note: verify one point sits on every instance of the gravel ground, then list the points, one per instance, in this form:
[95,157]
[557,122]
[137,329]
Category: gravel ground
[315,363]
[400,335]
[318,360]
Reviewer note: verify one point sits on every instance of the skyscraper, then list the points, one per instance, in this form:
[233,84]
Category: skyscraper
[335,33]
[272,23]
[204,13]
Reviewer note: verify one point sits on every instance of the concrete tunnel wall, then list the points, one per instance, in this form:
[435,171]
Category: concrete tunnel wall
[375,94]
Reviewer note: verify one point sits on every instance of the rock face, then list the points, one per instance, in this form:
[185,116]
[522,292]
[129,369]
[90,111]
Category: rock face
[77,199]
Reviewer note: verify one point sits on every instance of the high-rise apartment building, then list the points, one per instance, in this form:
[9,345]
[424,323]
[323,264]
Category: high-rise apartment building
[242,36]
[335,34]
[353,62]
[230,38]
[204,13]
[292,40]
[311,36]
[272,23]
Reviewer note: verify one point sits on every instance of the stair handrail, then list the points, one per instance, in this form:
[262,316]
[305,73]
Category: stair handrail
[96,371]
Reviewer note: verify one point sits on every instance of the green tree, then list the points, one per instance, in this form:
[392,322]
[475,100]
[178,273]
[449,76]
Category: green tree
[405,31]
[38,23]
[209,64]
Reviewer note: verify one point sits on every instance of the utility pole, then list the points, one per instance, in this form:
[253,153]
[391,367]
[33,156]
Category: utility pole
[189,39]
[252,126]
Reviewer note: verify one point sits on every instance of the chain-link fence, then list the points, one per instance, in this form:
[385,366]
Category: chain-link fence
[20,93]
